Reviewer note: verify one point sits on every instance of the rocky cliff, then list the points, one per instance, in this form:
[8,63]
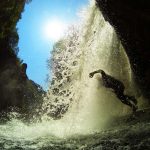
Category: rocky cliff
[131,20]
[15,87]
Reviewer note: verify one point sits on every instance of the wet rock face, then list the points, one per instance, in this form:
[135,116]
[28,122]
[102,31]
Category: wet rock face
[16,90]
[131,20]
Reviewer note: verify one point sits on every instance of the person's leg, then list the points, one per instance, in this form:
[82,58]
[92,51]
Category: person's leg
[124,99]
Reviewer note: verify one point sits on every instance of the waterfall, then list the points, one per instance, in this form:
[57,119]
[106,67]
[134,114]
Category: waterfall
[79,104]
[83,103]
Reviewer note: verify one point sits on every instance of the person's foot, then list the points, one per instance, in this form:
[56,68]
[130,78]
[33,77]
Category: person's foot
[134,108]
[133,99]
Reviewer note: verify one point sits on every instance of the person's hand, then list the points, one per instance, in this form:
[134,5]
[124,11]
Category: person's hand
[91,75]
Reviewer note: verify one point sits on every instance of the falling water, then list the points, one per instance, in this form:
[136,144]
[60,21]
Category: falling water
[82,104]
[88,106]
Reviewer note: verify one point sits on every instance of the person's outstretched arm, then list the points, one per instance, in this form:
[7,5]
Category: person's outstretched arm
[94,72]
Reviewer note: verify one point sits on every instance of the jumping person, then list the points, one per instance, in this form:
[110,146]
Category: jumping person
[118,87]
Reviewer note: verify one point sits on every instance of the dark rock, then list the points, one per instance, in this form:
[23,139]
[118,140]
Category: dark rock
[131,20]
[16,90]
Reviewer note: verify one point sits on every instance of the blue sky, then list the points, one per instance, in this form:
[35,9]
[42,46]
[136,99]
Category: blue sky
[34,47]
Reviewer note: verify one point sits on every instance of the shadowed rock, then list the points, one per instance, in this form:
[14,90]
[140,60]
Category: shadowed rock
[131,20]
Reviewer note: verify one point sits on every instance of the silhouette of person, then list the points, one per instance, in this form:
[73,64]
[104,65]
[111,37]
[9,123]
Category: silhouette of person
[118,88]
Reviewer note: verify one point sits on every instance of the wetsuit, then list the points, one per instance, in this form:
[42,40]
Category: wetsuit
[118,87]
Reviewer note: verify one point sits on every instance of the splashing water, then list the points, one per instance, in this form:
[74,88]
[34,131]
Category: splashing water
[89,105]
[86,106]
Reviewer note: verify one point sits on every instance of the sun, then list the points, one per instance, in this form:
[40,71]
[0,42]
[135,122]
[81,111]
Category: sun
[54,29]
